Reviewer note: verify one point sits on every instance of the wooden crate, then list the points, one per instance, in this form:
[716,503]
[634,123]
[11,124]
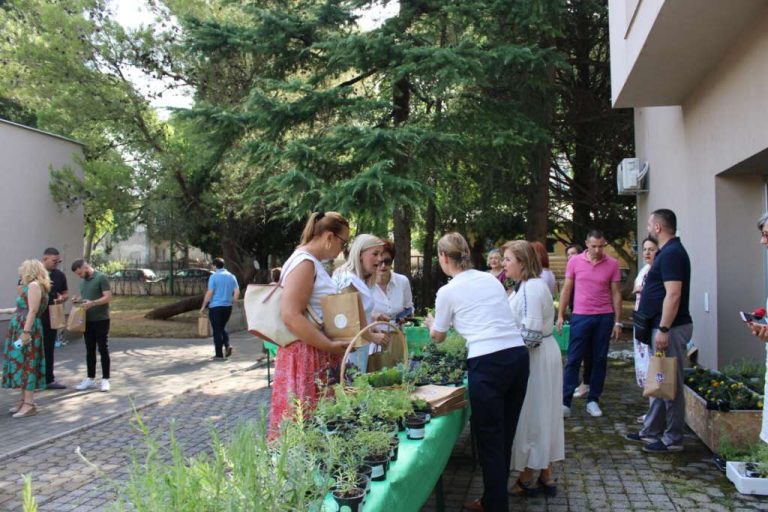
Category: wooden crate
[741,428]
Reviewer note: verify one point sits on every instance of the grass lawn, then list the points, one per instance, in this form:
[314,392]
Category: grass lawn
[128,320]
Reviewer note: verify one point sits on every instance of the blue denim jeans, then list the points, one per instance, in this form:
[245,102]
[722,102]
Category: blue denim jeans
[588,333]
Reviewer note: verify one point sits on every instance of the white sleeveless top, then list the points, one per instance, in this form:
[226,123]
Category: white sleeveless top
[324,285]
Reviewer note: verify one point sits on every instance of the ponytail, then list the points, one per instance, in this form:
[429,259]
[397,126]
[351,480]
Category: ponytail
[320,222]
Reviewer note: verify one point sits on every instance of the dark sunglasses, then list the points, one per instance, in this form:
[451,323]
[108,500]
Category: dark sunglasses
[385,262]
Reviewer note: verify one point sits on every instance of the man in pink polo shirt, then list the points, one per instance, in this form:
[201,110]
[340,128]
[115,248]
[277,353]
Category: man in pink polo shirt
[596,316]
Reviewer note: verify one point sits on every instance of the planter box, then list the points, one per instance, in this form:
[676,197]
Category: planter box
[745,485]
[742,428]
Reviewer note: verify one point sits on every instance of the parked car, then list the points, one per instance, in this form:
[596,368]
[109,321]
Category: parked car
[192,273]
[135,274]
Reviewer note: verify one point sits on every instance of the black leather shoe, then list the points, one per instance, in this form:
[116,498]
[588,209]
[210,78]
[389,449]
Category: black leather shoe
[55,385]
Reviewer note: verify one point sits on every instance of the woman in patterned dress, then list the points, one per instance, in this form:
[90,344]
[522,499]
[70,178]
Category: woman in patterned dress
[314,357]
[24,367]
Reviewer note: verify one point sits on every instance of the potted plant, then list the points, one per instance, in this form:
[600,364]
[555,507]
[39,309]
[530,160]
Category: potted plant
[376,446]
[347,491]
[415,425]
[422,406]
[750,474]
[716,406]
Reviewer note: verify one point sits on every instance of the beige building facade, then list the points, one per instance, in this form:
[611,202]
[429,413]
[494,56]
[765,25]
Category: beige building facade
[696,74]
[31,221]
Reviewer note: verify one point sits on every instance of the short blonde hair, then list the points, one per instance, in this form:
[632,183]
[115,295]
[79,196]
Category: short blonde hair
[524,253]
[34,270]
[354,262]
[456,248]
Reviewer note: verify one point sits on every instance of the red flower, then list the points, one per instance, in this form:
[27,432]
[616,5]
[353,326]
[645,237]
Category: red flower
[759,313]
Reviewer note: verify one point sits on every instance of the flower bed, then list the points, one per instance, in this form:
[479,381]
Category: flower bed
[718,408]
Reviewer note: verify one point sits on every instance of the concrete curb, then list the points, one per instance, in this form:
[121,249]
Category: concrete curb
[36,444]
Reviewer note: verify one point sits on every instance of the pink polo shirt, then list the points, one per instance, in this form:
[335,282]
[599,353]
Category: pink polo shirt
[592,283]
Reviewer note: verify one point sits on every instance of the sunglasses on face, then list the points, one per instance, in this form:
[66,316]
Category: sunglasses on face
[387,262]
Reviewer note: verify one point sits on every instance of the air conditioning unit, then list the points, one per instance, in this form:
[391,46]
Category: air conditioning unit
[630,177]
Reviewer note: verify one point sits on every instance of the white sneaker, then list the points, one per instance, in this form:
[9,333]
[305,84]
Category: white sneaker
[594,410]
[566,411]
[87,383]
[105,384]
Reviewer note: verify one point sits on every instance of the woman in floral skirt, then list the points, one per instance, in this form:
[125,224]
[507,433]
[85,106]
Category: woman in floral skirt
[24,364]
[314,358]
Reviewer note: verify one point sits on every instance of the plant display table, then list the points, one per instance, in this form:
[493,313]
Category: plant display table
[418,469]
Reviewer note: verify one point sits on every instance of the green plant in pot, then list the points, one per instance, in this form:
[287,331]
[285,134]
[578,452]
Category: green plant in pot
[422,406]
[347,490]
[376,446]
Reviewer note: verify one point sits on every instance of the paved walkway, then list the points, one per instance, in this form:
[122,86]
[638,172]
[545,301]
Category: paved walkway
[143,371]
[601,471]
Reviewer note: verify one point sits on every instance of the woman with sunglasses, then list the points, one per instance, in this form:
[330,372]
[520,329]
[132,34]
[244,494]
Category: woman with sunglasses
[314,358]
[392,293]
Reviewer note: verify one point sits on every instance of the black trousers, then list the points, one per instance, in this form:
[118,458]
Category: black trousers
[497,384]
[49,343]
[96,335]
[219,317]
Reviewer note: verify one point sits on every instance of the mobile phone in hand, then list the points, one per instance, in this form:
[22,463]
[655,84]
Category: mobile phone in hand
[751,318]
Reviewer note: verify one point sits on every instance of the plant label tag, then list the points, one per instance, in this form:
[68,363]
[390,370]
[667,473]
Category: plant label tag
[377,471]
[340,321]
[415,433]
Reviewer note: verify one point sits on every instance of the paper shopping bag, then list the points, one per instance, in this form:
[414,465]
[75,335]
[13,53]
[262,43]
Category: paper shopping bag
[390,356]
[343,315]
[203,326]
[76,320]
[661,379]
[56,313]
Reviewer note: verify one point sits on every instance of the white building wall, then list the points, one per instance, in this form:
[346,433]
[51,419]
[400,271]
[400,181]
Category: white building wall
[31,220]
[708,162]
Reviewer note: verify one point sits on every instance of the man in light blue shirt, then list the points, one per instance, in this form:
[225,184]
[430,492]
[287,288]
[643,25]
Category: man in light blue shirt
[223,290]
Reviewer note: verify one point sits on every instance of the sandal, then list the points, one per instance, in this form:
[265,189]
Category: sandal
[16,407]
[29,412]
[549,487]
[522,489]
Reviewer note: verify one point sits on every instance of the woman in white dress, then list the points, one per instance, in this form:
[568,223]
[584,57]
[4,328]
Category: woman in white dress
[642,351]
[540,438]
[358,274]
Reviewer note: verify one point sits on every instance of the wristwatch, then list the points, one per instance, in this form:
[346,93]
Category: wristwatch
[664,329]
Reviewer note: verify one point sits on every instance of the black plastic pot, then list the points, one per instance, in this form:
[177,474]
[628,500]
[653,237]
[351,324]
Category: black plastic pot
[353,502]
[365,471]
[426,411]
[394,445]
[378,465]
[415,425]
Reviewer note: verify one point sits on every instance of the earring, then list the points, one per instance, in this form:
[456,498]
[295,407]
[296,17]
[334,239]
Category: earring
[328,246]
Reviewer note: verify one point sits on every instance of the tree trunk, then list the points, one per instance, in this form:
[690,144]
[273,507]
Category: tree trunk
[401,108]
[427,281]
[177,308]
[90,237]
[402,233]
[538,197]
